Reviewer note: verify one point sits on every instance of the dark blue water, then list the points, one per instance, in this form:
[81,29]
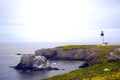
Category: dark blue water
[9,58]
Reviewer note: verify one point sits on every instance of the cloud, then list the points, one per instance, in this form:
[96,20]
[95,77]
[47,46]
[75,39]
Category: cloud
[64,20]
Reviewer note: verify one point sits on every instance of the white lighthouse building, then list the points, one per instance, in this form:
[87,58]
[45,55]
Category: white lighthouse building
[102,37]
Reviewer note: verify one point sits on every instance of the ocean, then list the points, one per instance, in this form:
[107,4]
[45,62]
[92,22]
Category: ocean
[9,58]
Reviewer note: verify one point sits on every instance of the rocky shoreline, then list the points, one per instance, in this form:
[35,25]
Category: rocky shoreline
[89,53]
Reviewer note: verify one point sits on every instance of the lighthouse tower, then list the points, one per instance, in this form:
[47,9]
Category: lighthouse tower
[102,37]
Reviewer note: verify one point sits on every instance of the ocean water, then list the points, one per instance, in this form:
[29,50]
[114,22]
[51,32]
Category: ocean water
[9,58]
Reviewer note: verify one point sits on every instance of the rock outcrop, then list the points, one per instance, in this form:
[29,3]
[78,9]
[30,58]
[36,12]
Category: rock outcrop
[61,54]
[31,62]
[97,58]
[112,56]
[85,64]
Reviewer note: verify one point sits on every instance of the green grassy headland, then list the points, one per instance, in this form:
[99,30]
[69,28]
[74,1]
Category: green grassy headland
[104,69]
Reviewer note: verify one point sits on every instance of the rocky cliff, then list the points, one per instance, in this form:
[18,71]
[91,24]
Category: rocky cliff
[91,54]
[61,54]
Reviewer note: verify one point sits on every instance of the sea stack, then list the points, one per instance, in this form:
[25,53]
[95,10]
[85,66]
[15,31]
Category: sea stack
[31,62]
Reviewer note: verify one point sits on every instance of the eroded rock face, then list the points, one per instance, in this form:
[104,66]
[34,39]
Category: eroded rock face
[60,54]
[111,55]
[27,59]
[39,62]
[48,53]
[31,62]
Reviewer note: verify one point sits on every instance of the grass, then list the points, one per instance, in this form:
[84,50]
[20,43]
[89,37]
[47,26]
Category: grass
[103,70]
[72,47]
[96,72]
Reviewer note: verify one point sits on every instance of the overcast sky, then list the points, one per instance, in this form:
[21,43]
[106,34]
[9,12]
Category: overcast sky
[59,20]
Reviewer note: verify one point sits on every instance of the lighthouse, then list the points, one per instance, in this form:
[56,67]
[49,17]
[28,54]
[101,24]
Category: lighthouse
[102,37]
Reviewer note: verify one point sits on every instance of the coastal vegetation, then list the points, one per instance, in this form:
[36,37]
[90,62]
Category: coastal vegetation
[72,47]
[106,71]
[103,65]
